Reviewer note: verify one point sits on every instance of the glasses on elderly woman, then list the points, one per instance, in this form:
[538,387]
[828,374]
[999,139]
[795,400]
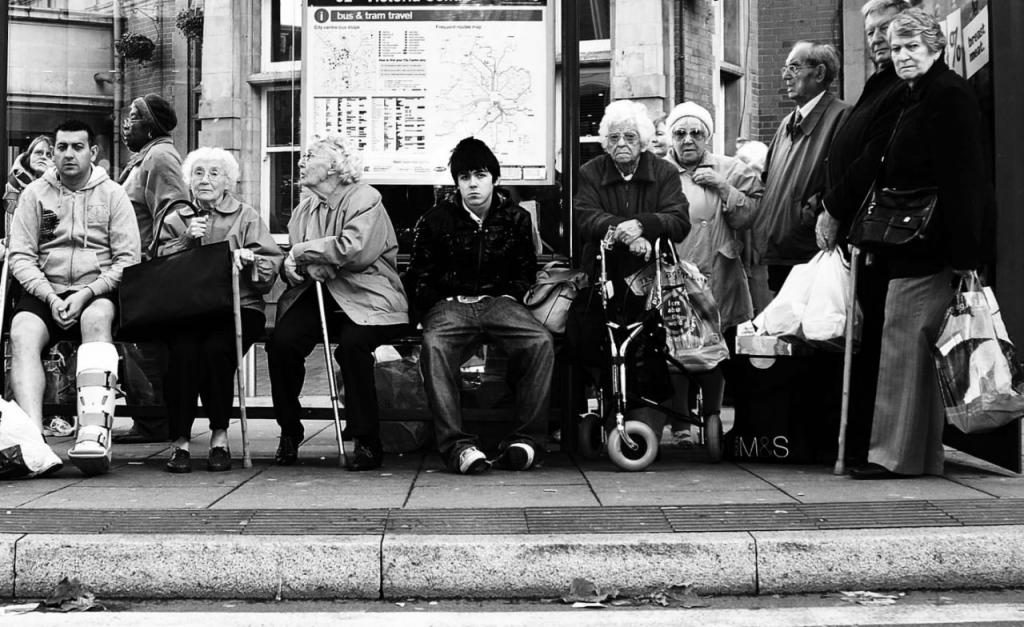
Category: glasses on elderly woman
[631,138]
[213,174]
[697,134]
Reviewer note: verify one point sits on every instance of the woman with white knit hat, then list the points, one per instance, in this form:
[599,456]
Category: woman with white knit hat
[724,193]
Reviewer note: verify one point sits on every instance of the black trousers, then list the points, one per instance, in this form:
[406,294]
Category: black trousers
[201,363]
[295,336]
[872,285]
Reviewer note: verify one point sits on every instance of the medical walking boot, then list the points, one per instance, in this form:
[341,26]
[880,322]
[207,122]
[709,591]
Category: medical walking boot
[96,380]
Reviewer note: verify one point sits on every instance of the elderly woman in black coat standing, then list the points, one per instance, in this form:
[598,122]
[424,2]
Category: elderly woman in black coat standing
[937,143]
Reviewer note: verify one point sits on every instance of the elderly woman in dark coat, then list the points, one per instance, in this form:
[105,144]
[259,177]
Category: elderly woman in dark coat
[202,357]
[628,188]
[937,143]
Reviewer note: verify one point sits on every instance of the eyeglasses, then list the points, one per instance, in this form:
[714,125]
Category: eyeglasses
[615,138]
[793,68]
[697,134]
[213,174]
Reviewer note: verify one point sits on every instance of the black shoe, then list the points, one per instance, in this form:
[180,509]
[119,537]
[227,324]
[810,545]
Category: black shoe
[219,459]
[180,461]
[287,450]
[365,457]
[874,471]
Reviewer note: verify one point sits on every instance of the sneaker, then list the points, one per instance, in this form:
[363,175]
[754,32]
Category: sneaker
[57,427]
[518,456]
[472,461]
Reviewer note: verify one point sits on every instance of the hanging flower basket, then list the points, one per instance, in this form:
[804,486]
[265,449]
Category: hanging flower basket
[135,46]
[190,23]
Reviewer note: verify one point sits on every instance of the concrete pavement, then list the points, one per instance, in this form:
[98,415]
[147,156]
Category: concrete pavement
[411,529]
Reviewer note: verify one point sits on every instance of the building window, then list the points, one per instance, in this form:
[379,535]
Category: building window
[732,93]
[285,30]
[594,17]
[282,146]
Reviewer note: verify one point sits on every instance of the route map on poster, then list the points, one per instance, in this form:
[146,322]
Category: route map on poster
[405,80]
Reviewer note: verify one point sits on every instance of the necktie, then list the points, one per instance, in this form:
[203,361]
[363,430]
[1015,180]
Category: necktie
[794,123]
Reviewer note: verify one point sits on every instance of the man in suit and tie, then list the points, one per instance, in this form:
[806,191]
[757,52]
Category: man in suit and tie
[794,174]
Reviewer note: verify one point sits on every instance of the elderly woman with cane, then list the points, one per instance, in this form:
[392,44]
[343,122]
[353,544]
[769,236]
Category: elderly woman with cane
[342,273]
[202,354]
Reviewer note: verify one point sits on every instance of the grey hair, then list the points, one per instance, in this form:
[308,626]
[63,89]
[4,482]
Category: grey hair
[918,22]
[218,155]
[822,54]
[345,161]
[880,6]
[627,111]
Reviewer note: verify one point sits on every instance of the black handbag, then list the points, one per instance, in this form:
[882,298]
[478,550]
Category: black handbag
[893,217]
[175,289]
[889,218]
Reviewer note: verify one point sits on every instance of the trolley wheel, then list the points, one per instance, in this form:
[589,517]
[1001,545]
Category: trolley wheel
[588,436]
[713,437]
[628,459]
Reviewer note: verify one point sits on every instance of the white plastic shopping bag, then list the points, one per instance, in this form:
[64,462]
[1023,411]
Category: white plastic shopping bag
[23,451]
[824,316]
[784,314]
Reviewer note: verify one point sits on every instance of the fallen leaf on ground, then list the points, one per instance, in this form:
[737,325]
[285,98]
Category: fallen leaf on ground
[71,596]
[584,591]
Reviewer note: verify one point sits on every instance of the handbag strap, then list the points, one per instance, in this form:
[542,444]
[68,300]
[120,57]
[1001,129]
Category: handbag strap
[881,162]
[160,222]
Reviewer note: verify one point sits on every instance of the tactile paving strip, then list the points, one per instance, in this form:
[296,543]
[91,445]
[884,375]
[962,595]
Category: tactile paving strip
[512,521]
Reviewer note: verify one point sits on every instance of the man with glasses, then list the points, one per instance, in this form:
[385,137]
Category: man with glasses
[852,162]
[794,172]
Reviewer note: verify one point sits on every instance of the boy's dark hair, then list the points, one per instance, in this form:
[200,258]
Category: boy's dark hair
[470,155]
[72,125]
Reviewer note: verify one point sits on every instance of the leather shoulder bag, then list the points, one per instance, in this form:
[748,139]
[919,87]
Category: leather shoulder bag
[889,218]
[174,289]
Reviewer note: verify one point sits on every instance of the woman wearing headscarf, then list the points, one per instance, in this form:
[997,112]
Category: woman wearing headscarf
[202,359]
[723,193]
[936,144]
[152,178]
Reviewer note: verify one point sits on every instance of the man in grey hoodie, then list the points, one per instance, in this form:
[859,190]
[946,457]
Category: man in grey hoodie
[73,233]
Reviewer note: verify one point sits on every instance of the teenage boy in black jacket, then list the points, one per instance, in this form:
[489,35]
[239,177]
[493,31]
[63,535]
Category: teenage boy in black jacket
[472,262]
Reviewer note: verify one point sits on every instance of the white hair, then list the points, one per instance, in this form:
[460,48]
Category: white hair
[627,111]
[345,161]
[217,155]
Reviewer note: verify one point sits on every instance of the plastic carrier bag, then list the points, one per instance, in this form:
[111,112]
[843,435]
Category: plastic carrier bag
[23,452]
[824,316]
[976,362]
[693,325]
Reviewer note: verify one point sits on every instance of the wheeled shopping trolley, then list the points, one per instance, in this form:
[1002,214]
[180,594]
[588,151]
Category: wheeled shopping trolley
[633,444]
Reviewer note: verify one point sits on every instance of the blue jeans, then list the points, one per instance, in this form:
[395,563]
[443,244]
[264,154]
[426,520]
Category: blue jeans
[451,330]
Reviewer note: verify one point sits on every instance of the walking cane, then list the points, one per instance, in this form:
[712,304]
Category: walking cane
[332,384]
[844,412]
[237,305]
